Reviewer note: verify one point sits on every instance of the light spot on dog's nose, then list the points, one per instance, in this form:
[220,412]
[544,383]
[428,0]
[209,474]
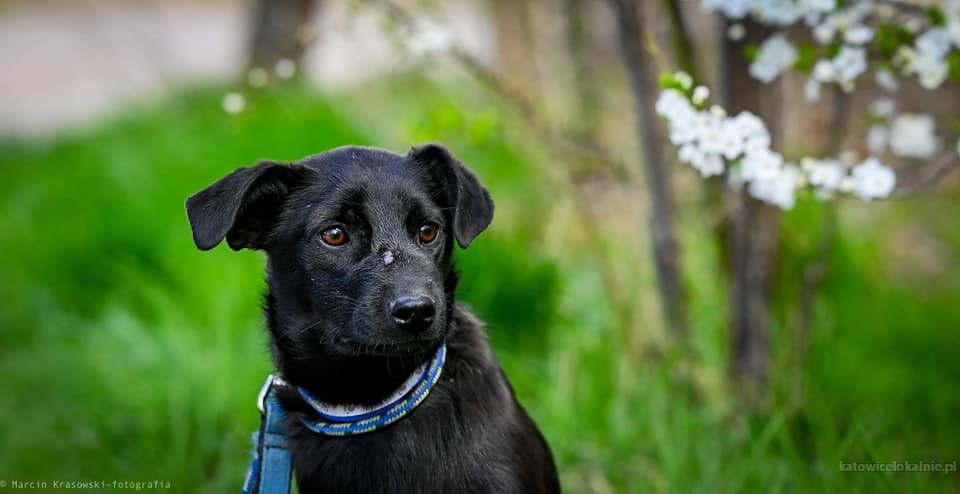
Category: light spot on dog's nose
[387,258]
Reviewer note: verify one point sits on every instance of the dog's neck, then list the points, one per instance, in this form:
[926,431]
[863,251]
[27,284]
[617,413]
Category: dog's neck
[337,378]
[359,380]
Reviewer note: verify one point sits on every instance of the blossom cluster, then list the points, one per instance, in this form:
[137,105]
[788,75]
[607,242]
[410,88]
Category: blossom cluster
[919,42]
[905,135]
[714,143]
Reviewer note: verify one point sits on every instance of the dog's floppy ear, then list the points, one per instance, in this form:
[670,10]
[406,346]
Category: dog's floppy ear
[242,206]
[473,207]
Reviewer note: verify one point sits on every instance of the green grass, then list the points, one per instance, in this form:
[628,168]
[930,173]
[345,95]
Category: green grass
[125,353]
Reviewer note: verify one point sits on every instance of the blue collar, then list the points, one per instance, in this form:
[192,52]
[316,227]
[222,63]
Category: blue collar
[270,471]
[348,421]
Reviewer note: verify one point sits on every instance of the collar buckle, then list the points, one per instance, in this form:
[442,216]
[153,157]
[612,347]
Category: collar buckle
[272,380]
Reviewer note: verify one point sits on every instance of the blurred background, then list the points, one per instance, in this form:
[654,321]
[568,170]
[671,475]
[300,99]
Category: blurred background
[664,335]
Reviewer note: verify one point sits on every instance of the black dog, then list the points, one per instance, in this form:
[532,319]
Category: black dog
[360,295]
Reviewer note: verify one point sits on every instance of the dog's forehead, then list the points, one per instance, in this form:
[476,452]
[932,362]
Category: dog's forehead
[356,161]
[354,172]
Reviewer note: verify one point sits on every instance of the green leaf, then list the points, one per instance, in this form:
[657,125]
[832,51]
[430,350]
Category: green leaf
[807,57]
[889,38]
[833,50]
[937,17]
[953,65]
[674,80]
[668,81]
[750,51]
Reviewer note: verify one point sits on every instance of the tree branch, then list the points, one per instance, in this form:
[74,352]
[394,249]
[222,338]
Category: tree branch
[630,24]
[682,46]
[585,148]
[929,176]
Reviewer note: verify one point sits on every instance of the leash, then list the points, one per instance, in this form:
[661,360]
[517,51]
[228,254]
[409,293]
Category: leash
[271,469]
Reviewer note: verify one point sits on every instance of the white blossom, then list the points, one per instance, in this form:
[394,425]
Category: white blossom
[674,106]
[760,164]
[750,130]
[700,95]
[681,134]
[736,32]
[825,175]
[712,138]
[883,108]
[708,164]
[952,11]
[775,55]
[913,136]
[285,68]
[935,43]
[926,59]
[844,68]
[718,111]
[858,35]
[885,11]
[914,24]
[258,77]
[684,79]
[779,189]
[688,153]
[930,72]
[732,9]
[824,71]
[811,90]
[872,180]
[824,33]
[778,12]
[849,63]
[233,103]
[848,19]
[848,157]
[886,80]
[687,130]
[877,138]
[821,6]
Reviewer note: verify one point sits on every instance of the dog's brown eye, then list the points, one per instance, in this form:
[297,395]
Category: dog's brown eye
[334,236]
[428,233]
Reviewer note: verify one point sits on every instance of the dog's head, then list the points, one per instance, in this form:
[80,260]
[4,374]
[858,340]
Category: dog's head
[358,244]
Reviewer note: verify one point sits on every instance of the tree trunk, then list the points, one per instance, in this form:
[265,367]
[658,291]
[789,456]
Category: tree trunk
[753,236]
[515,49]
[583,59]
[753,230]
[280,31]
[630,23]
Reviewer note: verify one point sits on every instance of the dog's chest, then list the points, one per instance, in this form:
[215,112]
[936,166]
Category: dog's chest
[425,453]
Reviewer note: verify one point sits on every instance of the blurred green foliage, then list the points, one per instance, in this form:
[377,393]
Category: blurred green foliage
[125,353]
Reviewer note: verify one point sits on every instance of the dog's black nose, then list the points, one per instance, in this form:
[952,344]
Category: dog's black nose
[413,313]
